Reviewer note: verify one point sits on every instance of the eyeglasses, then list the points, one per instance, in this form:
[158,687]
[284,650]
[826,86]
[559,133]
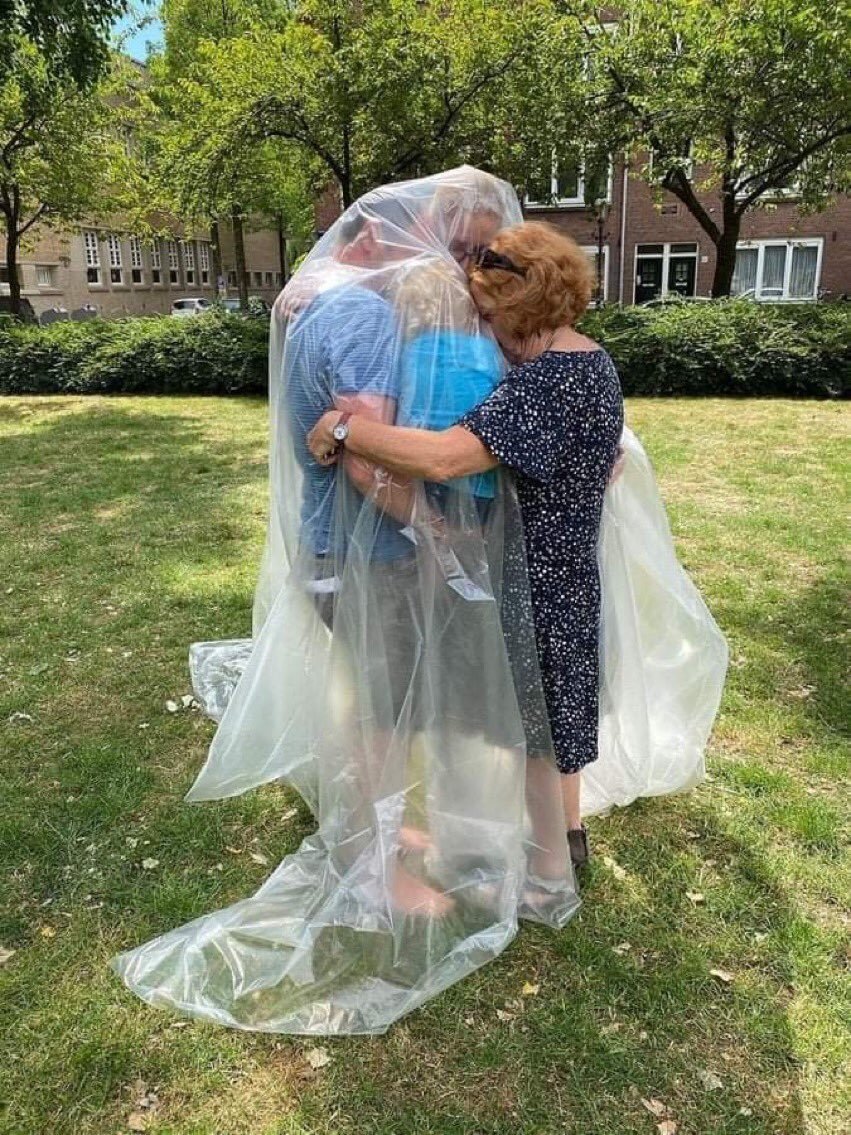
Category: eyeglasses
[486,258]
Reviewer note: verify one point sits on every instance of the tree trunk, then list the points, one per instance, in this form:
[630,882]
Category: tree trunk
[725,249]
[216,252]
[239,256]
[282,248]
[12,267]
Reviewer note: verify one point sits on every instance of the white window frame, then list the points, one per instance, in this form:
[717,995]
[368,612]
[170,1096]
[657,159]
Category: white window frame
[666,262]
[91,251]
[591,251]
[173,262]
[40,270]
[137,264]
[156,264]
[204,261]
[116,267]
[188,250]
[790,243]
[576,202]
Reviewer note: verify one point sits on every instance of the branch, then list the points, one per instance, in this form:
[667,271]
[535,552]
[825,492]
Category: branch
[37,215]
[772,177]
[453,109]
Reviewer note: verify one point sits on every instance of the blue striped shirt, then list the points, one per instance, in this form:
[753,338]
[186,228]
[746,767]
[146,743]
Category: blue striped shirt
[345,342]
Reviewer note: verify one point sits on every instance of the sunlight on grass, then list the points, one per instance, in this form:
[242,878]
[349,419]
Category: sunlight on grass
[133,527]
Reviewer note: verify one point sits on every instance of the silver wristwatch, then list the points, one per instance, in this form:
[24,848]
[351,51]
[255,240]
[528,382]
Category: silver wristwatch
[341,431]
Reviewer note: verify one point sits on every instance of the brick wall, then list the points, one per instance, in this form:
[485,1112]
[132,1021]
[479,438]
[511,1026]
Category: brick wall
[646,223]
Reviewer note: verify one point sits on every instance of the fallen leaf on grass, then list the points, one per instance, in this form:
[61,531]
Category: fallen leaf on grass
[695,896]
[318,1058]
[48,932]
[709,1080]
[655,1107]
[615,868]
[530,990]
[150,864]
[722,975]
[622,948]
[504,1015]
[172,706]
[136,1121]
[258,858]
[668,1127]
[5,955]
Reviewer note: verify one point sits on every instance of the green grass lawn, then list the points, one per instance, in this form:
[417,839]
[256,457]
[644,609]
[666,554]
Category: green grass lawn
[133,526]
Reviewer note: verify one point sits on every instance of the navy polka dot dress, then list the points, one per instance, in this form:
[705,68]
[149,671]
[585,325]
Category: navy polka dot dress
[556,421]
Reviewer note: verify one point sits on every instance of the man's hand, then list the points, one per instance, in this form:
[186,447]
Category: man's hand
[321,441]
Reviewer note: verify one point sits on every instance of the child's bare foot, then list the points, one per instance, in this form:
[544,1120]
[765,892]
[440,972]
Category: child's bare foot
[414,839]
[412,896]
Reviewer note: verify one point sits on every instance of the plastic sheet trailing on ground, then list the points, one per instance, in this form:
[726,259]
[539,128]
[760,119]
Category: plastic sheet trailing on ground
[385,679]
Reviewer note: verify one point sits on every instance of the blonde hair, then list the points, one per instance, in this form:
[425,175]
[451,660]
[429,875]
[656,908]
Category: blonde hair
[554,291]
[433,295]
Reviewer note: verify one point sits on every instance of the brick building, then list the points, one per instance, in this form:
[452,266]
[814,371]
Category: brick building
[651,248]
[648,247]
[119,274]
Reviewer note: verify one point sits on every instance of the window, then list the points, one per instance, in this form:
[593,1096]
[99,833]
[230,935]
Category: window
[279,279]
[231,279]
[591,251]
[204,256]
[270,279]
[173,262]
[156,263]
[44,276]
[92,250]
[665,269]
[258,279]
[569,184]
[188,261]
[656,169]
[778,269]
[137,274]
[116,273]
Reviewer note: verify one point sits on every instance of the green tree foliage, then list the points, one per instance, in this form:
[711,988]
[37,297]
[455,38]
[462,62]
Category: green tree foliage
[63,157]
[368,91]
[72,34]
[197,168]
[754,91]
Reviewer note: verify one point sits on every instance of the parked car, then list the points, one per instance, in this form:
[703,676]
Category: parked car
[26,314]
[191,305]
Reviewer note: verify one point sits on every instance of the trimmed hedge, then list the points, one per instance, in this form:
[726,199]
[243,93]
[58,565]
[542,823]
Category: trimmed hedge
[199,354]
[728,347]
[724,347]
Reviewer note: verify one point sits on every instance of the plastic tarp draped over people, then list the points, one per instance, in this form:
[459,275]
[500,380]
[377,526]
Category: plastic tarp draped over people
[391,677]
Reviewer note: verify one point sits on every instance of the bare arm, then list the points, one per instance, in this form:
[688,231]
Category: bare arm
[395,496]
[431,455]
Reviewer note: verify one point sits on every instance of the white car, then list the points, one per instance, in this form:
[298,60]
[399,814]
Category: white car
[192,305]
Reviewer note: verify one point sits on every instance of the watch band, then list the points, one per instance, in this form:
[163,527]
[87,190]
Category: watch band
[342,424]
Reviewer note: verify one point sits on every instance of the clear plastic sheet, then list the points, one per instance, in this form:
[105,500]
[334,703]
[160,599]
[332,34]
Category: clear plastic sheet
[385,678]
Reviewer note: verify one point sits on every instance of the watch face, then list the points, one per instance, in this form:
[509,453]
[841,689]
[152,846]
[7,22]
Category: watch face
[340,433]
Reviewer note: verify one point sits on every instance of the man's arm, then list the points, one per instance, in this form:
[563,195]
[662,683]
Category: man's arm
[432,455]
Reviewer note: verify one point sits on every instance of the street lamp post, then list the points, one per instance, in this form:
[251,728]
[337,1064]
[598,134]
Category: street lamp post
[601,214]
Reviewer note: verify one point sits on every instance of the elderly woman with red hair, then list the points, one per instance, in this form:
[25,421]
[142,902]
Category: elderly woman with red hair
[556,422]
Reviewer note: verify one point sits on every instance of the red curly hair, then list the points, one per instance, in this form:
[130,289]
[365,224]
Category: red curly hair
[555,290]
